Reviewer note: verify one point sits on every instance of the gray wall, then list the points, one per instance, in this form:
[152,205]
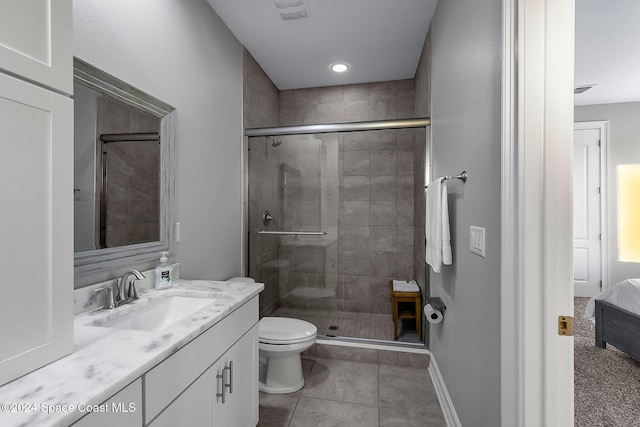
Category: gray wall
[624,148]
[182,53]
[466,116]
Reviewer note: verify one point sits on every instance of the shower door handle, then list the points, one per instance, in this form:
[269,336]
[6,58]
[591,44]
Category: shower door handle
[294,233]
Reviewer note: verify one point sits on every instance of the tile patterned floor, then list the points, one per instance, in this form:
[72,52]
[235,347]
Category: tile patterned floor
[350,324]
[347,386]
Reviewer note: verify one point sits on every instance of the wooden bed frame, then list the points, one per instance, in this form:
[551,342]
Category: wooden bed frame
[618,327]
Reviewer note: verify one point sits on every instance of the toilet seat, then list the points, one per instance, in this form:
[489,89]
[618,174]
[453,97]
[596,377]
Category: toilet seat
[284,330]
[290,342]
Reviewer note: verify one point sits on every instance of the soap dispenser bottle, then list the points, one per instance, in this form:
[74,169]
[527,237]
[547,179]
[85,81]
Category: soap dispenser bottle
[163,273]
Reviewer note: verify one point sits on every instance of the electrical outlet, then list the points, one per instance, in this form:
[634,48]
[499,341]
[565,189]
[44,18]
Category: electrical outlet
[476,240]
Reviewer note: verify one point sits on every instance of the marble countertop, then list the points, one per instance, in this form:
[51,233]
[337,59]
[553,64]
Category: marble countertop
[105,360]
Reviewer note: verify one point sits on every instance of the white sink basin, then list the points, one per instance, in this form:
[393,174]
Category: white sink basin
[158,314]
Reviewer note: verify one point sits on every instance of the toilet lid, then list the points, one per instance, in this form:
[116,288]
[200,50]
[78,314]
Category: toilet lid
[282,329]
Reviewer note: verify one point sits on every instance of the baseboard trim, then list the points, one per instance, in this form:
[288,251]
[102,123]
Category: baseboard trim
[449,412]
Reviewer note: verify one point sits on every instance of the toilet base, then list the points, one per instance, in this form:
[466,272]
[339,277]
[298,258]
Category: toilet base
[281,374]
[277,390]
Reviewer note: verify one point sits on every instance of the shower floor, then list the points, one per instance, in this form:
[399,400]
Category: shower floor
[350,324]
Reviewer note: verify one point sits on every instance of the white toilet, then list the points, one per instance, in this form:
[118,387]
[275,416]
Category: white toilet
[281,340]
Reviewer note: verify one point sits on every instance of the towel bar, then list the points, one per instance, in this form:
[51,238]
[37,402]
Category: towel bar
[294,233]
[462,176]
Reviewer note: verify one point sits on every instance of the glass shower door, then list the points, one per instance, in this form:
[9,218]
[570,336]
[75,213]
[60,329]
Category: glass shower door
[331,221]
[293,225]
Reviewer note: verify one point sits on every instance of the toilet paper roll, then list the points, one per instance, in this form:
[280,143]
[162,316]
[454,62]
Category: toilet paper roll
[432,315]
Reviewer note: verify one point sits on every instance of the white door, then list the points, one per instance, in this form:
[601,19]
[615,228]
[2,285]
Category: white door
[36,231]
[537,288]
[587,242]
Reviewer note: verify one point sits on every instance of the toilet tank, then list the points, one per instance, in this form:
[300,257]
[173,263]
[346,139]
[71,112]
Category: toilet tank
[241,279]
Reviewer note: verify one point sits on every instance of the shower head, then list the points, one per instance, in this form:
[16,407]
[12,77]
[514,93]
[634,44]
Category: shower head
[274,142]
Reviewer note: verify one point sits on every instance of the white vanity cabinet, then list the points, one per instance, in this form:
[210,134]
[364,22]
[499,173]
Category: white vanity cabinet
[124,409]
[193,406]
[234,375]
[36,185]
[239,368]
[187,388]
[35,41]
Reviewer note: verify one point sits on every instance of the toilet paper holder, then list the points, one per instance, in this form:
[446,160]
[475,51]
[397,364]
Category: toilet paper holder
[434,310]
[436,303]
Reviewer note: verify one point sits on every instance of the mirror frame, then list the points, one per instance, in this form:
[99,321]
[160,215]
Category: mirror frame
[99,260]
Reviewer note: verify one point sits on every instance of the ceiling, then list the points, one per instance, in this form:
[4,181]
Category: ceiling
[378,38]
[382,40]
[608,51]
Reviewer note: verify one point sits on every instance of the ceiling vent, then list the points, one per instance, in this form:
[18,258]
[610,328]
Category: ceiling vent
[582,89]
[292,9]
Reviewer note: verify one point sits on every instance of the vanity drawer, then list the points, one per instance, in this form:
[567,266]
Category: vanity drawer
[167,380]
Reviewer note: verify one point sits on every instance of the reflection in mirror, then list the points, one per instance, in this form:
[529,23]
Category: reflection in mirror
[116,176]
[124,148]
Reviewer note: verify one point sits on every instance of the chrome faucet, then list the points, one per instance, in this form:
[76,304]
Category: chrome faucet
[131,293]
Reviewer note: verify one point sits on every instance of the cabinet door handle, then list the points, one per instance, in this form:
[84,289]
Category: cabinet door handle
[230,385]
[220,377]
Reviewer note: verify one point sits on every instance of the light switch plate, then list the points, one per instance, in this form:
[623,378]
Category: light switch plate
[476,240]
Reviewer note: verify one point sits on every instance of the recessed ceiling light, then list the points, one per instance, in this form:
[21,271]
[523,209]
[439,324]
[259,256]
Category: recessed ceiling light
[292,9]
[339,67]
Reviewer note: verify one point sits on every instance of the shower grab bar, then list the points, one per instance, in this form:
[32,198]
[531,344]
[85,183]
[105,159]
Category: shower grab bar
[294,233]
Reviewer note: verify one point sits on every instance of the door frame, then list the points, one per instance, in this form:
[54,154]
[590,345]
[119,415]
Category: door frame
[536,231]
[603,127]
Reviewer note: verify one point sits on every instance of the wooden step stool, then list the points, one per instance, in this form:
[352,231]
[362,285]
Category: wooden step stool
[416,313]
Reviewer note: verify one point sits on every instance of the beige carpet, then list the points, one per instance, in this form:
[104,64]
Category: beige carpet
[607,382]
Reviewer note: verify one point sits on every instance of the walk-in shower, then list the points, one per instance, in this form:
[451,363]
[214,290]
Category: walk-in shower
[332,213]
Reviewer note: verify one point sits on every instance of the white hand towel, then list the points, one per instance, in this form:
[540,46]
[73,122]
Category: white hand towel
[437,233]
[404,286]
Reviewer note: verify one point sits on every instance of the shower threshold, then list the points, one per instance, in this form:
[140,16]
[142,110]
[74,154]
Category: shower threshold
[368,342]
[361,327]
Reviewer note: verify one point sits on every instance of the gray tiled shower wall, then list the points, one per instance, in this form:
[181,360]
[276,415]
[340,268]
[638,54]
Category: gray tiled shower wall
[350,103]
[422,164]
[359,187]
[260,109]
[366,210]
[133,190]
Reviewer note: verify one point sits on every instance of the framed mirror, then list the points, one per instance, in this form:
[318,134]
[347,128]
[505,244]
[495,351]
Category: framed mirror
[124,172]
